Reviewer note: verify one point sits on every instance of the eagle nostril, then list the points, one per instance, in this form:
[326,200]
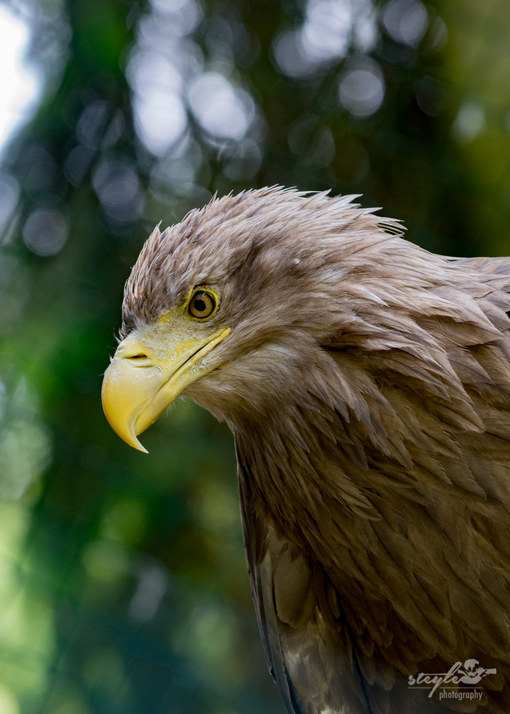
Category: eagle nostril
[139,356]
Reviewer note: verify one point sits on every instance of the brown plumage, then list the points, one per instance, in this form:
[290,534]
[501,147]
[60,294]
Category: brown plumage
[367,385]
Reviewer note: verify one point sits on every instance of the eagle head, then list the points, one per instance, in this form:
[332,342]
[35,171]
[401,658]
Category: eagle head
[212,301]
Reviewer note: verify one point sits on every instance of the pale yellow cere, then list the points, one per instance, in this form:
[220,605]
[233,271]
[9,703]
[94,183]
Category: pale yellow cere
[150,368]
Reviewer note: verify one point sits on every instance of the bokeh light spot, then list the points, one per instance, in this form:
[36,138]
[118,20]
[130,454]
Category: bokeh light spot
[77,163]
[183,14]
[160,120]
[469,122]
[290,55]
[19,84]
[361,89]
[118,188]
[45,231]
[406,21]
[326,31]
[224,111]
[329,29]
[160,116]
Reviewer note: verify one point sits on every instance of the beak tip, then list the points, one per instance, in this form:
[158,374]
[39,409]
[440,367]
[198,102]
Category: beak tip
[139,447]
[118,407]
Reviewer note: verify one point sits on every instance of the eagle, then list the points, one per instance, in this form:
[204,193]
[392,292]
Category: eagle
[366,382]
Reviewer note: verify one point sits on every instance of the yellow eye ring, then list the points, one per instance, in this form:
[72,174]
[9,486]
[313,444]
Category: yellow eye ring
[202,304]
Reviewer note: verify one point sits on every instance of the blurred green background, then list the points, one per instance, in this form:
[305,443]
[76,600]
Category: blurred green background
[123,586]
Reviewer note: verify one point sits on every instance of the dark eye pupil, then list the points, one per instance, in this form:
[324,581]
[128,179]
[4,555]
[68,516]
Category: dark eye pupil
[202,305]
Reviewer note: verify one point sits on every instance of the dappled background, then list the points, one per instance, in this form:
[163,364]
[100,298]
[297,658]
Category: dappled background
[123,587]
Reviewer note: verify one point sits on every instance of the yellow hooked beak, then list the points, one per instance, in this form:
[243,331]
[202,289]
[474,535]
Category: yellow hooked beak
[142,381]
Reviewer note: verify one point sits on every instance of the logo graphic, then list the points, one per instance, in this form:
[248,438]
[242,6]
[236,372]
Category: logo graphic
[458,683]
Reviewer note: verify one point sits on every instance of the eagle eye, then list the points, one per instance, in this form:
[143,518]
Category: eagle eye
[202,304]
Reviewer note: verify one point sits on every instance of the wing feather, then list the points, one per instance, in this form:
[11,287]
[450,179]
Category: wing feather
[307,645]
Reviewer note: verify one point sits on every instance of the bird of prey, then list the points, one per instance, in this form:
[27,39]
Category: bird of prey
[366,382]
